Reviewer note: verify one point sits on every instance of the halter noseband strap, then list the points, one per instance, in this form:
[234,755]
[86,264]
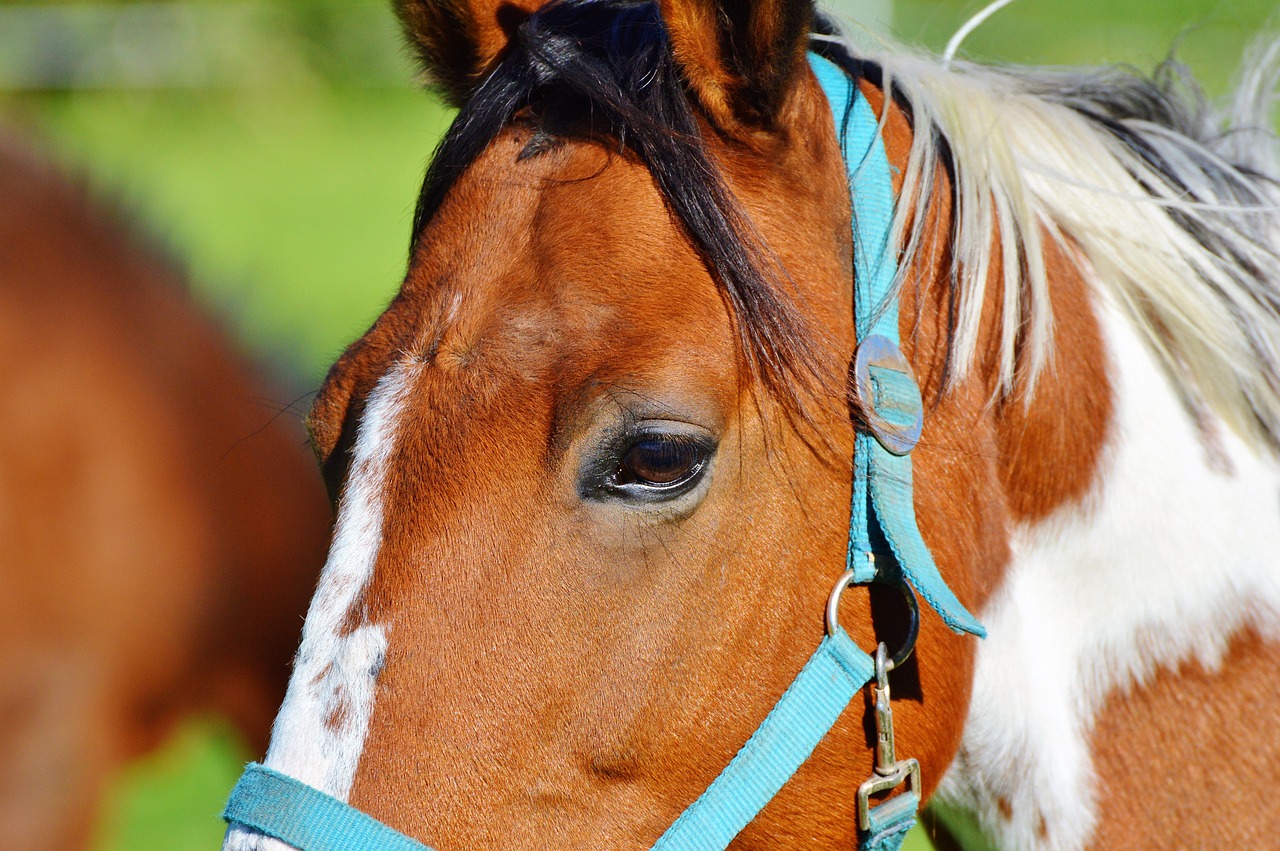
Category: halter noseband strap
[884,546]
[289,810]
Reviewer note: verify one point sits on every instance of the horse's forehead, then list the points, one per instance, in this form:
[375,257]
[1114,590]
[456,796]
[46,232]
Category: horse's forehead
[568,257]
[571,222]
[543,285]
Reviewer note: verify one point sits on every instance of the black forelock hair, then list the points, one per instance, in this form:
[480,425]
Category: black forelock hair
[612,59]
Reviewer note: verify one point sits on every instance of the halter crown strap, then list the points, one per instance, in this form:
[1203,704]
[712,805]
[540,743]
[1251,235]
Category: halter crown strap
[882,514]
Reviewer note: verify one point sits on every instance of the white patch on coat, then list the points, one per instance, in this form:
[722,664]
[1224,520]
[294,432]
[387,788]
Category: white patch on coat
[335,672]
[1173,555]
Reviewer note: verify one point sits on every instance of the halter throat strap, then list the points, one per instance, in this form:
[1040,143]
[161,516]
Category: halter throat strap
[884,546]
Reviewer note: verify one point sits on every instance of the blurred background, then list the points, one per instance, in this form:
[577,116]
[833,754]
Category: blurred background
[277,147]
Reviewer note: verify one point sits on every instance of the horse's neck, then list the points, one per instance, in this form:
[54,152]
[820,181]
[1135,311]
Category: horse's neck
[1135,586]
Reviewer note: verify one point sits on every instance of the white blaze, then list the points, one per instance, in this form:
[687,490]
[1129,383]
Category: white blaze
[319,734]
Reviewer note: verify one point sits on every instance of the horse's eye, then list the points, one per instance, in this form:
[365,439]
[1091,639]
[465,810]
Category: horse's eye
[660,462]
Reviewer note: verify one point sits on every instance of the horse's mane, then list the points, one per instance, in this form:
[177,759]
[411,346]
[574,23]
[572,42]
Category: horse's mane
[1172,210]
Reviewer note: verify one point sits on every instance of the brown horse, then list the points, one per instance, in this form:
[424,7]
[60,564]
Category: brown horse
[592,464]
[162,525]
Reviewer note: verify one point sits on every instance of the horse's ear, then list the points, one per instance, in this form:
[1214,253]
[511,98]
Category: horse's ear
[459,41]
[740,56]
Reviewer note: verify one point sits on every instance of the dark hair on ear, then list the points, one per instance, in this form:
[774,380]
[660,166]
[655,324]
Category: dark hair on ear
[444,59]
[612,59]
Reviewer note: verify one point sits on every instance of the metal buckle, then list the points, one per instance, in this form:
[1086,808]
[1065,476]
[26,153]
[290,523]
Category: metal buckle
[896,420]
[890,772]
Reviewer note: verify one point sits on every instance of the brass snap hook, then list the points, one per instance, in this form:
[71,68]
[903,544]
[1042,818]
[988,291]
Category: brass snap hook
[890,772]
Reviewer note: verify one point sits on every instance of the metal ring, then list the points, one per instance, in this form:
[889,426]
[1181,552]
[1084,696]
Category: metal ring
[833,616]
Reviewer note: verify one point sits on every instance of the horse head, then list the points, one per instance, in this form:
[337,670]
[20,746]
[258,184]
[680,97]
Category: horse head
[592,465]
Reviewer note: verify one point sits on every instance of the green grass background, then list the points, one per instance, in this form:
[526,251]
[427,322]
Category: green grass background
[291,199]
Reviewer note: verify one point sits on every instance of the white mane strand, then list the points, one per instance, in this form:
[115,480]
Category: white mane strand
[1170,207]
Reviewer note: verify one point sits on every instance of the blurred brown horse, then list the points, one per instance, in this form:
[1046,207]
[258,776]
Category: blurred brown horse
[161,526]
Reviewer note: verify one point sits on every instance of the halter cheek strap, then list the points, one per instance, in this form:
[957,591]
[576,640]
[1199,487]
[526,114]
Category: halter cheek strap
[884,546]
[882,508]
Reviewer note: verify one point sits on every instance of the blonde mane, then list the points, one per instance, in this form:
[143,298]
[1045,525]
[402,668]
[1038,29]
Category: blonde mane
[1172,210]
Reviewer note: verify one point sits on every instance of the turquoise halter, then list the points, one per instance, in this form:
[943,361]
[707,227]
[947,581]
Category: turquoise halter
[882,517]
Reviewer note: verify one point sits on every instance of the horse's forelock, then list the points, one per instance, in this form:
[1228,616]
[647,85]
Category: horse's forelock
[585,67]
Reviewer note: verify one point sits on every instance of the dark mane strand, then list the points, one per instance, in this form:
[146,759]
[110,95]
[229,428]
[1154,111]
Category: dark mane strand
[611,59]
